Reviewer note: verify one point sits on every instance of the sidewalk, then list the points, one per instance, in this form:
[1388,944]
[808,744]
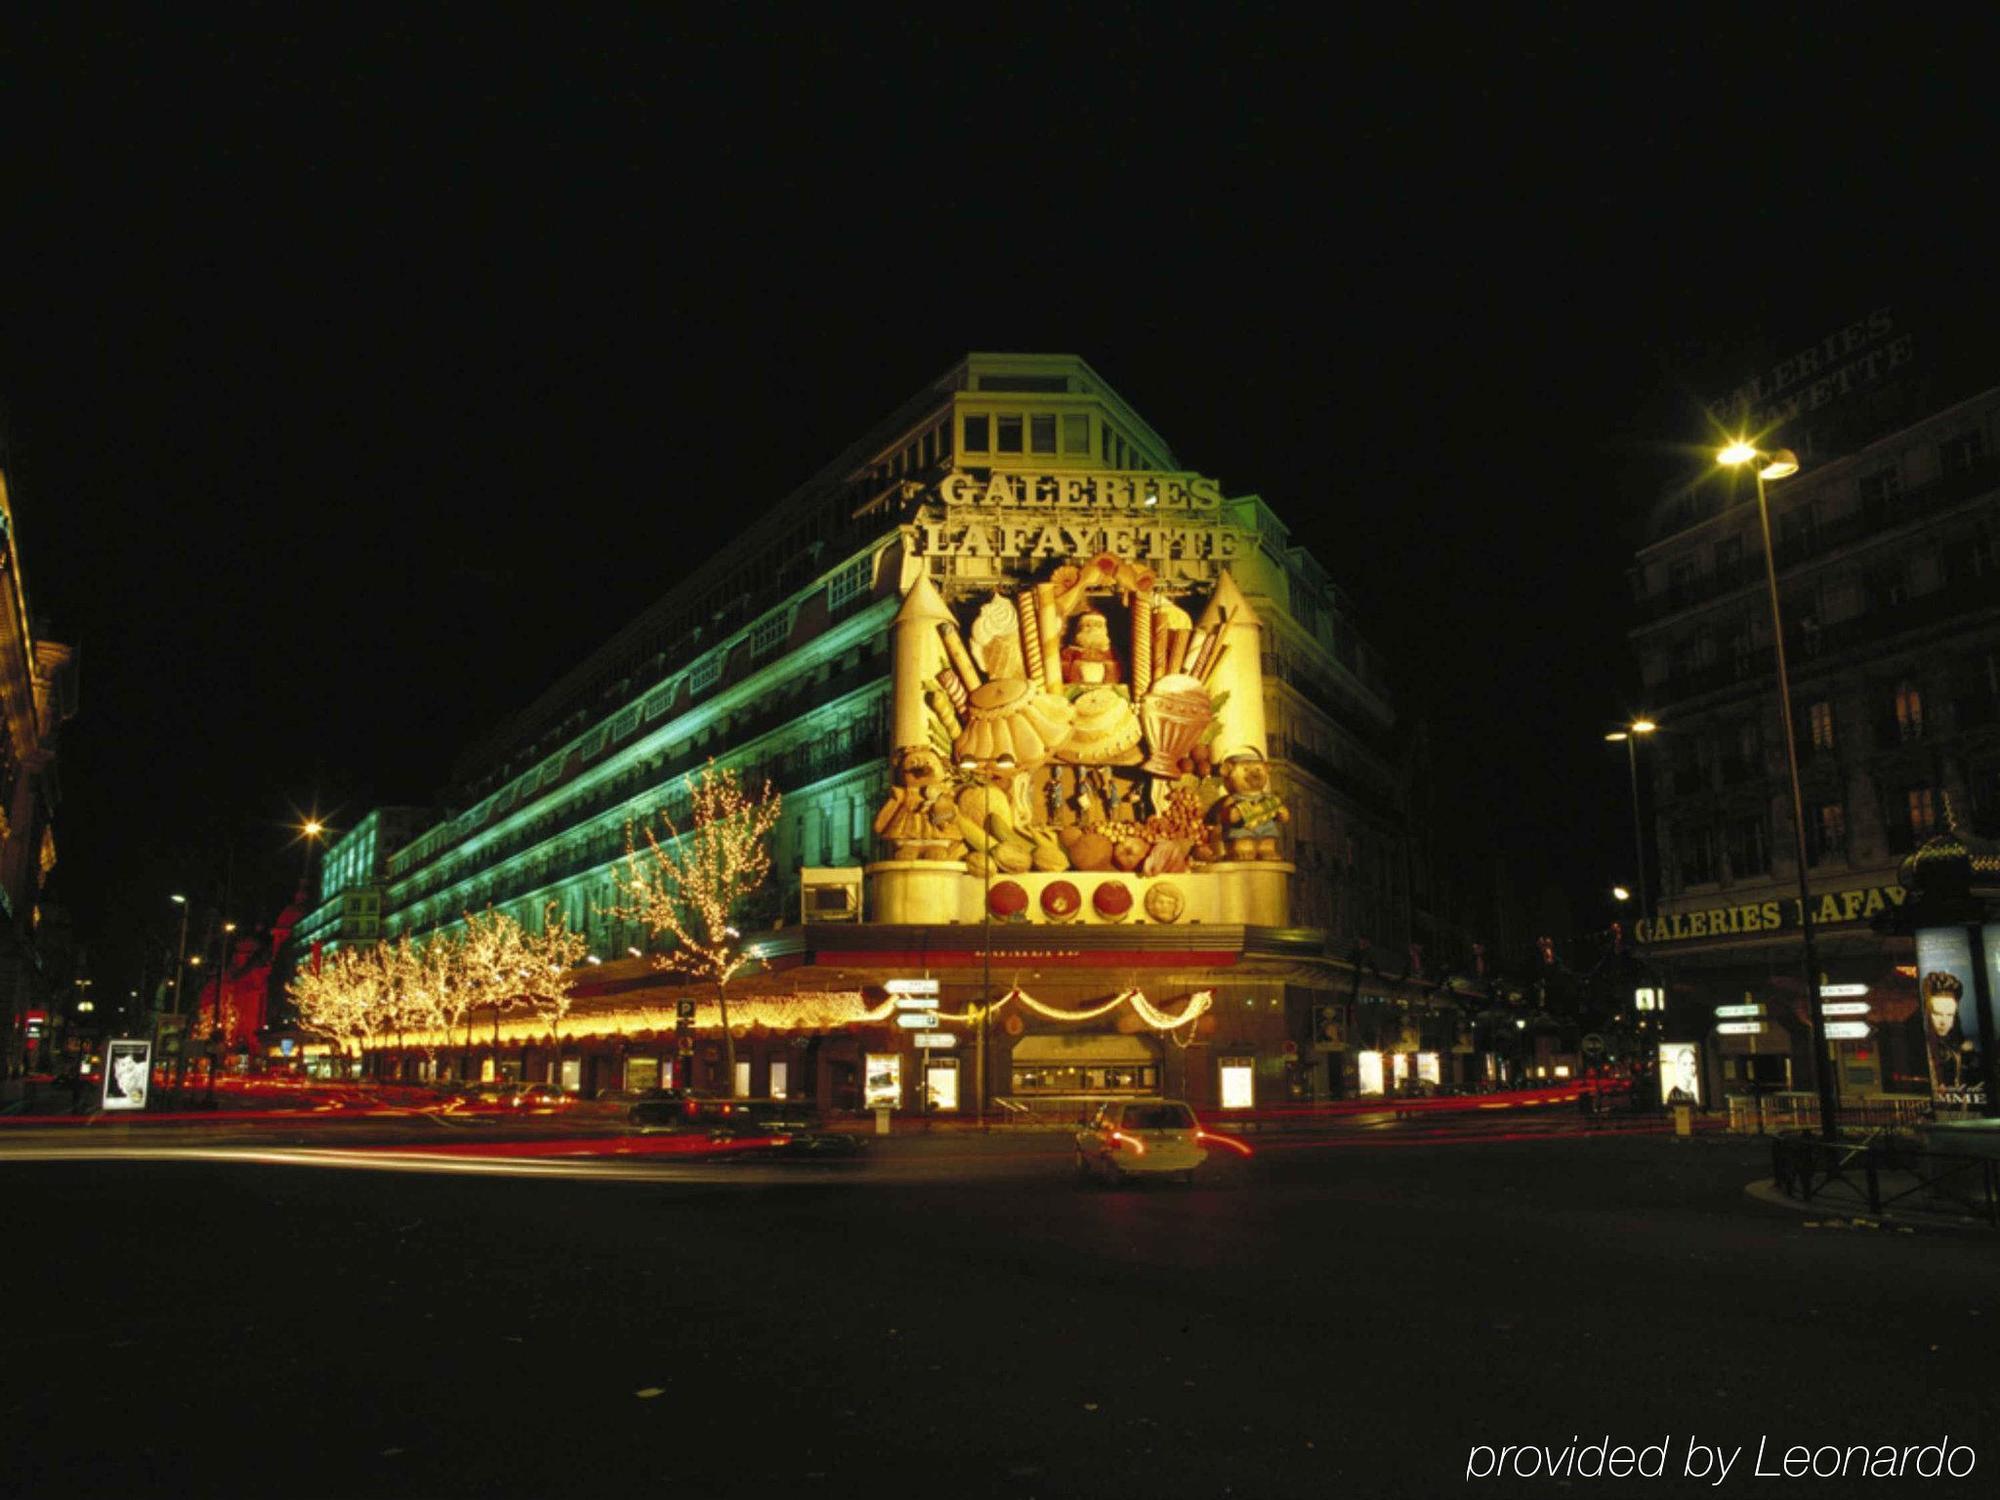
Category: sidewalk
[1842,1205]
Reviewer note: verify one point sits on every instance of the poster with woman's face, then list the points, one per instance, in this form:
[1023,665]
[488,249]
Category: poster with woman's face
[127,1066]
[1680,1073]
[1950,1015]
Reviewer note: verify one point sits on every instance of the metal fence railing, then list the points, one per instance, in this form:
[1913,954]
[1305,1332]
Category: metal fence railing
[1885,1174]
[1770,1113]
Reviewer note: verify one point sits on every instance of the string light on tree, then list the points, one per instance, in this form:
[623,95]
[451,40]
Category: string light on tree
[687,886]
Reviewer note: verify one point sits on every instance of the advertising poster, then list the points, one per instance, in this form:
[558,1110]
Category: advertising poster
[1680,1073]
[128,1065]
[1951,1014]
[883,1086]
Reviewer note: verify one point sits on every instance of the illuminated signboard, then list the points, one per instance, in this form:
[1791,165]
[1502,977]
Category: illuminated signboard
[1740,1028]
[1737,1012]
[1846,1031]
[1831,908]
[1844,1008]
[1841,991]
[128,1066]
[1946,989]
[912,987]
[1680,1073]
[883,1081]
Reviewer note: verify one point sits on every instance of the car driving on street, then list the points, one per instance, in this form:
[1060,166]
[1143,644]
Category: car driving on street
[1137,1137]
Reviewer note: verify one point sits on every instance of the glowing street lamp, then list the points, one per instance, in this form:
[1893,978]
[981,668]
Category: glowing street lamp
[1780,463]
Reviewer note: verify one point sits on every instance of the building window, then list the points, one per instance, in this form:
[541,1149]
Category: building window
[1076,432]
[1881,486]
[977,439]
[1749,848]
[705,672]
[1798,531]
[1042,433]
[770,632]
[1921,803]
[1962,452]
[1008,435]
[1909,712]
[1888,587]
[850,582]
[1728,561]
[1819,725]
[1697,847]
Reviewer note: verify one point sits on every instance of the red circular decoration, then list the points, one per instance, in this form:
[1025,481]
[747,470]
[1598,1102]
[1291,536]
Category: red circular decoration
[1014,1026]
[1113,901]
[1061,900]
[1007,899]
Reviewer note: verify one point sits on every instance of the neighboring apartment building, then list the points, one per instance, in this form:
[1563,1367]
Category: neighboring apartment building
[37,693]
[1888,556]
[802,652]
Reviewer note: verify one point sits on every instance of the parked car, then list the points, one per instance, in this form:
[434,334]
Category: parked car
[1140,1137]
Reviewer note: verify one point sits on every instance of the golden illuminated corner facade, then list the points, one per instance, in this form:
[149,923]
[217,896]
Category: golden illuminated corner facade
[1077,710]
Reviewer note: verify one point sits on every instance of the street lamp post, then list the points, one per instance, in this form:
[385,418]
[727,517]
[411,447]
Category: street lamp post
[1779,464]
[180,955]
[970,766]
[1630,735]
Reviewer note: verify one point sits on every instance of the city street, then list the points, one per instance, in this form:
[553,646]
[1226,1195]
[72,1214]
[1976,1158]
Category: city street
[957,1316]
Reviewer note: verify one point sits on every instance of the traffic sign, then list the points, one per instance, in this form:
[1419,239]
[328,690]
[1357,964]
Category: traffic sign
[1846,1031]
[917,1020]
[1733,1012]
[1843,1007]
[1841,991]
[1739,1028]
[912,987]
[684,1009]
[936,1039]
[1593,1045]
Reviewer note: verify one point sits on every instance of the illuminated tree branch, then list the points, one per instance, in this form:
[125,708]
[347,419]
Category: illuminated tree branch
[688,886]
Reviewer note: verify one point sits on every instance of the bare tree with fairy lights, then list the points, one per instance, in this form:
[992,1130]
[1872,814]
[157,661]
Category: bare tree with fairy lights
[689,886]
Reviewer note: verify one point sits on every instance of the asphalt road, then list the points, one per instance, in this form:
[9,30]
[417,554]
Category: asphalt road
[957,1317]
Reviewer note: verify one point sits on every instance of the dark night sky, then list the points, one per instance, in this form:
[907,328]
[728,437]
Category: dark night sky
[355,383]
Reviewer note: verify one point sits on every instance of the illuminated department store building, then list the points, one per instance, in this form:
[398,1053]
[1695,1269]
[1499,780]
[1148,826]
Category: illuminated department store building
[1034,695]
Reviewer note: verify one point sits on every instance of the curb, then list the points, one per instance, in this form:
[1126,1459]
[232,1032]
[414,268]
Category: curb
[1842,1216]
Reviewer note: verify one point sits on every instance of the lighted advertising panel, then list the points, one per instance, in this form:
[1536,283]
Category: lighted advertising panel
[883,1081]
[1680,1073]
[1950,1012]
[1368,1067]
[128,1067]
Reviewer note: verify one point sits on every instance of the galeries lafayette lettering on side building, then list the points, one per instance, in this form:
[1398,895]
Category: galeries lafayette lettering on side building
[1830,909]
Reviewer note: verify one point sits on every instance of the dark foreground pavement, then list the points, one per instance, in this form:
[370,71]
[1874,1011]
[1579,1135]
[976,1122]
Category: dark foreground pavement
[957,1318]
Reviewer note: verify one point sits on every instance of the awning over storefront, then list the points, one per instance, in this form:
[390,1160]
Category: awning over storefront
[1081,1049]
